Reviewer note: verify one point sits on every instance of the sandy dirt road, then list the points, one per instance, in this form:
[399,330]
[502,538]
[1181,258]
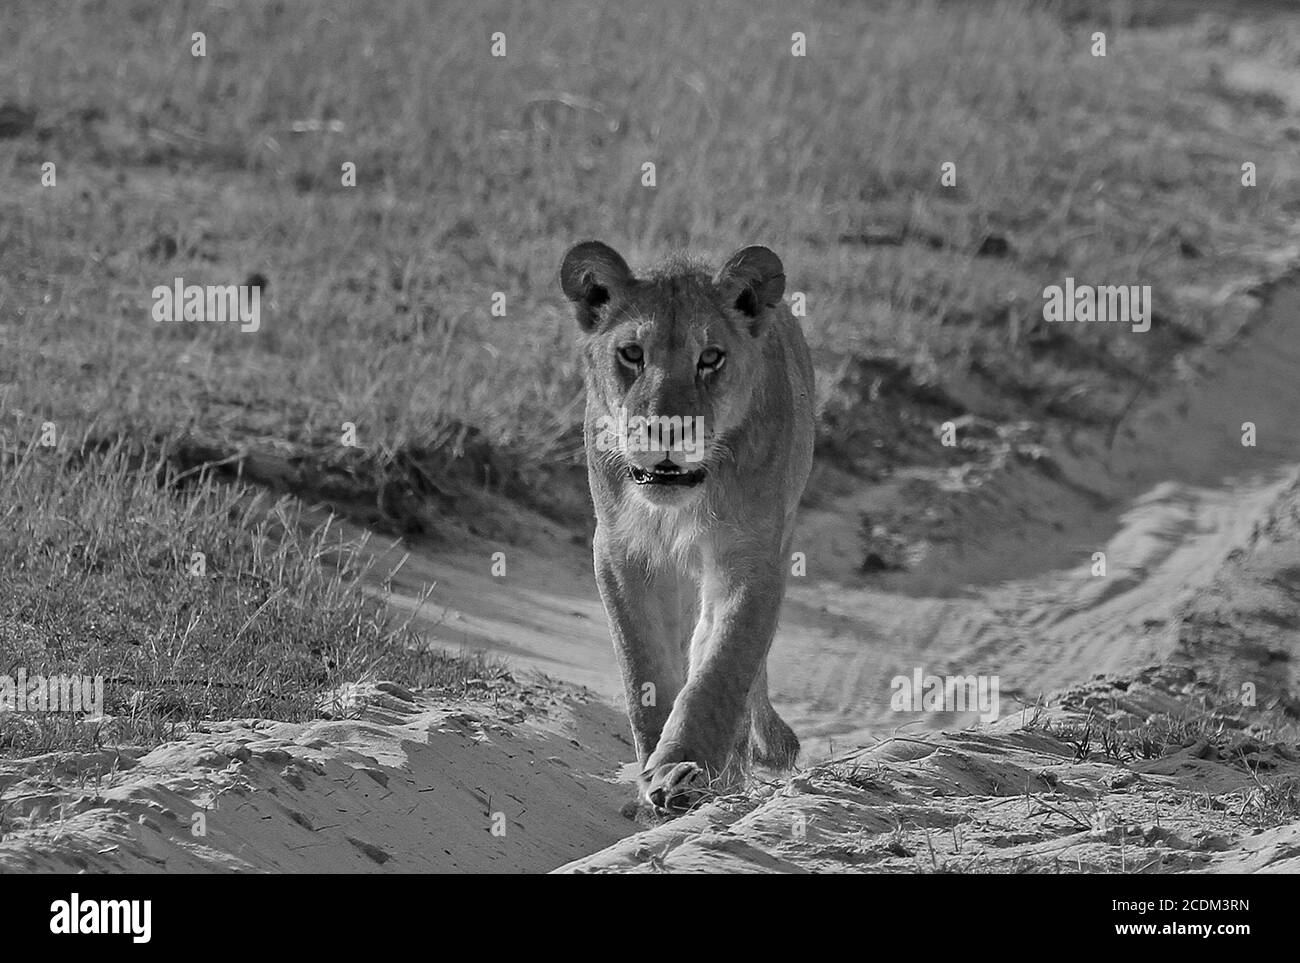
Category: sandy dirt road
[1013,595]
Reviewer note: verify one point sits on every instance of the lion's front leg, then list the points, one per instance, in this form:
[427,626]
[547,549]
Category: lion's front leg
[647,610]
[741,600]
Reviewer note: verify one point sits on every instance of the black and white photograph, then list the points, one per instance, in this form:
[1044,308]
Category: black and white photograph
[593,437]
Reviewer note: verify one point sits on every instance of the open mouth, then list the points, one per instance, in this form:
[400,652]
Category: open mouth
[664,474]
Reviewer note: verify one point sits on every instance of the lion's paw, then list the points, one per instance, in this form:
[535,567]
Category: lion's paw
[675,787]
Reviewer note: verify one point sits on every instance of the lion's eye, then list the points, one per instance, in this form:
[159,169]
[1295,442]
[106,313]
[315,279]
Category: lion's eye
[711,359]
[631,354]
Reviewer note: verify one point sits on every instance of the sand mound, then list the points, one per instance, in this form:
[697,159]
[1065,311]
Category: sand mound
[1022,795]
[407,784]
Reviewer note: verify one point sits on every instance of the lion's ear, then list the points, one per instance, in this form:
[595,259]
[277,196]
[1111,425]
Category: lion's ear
[753,280]
[591,272]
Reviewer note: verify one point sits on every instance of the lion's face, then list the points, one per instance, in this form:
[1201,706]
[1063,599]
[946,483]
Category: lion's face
[670,364]
[667,374]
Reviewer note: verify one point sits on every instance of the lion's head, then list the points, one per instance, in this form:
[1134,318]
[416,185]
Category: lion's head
[671,361]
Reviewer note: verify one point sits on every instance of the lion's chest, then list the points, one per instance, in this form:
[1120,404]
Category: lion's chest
[665,537]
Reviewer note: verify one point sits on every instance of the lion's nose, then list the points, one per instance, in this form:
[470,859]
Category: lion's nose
[670,432]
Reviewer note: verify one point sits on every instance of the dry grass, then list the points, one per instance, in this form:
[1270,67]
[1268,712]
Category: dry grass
[474,173]
[99,581]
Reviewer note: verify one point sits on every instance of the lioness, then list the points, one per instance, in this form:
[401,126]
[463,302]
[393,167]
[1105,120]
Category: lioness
[699,438]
